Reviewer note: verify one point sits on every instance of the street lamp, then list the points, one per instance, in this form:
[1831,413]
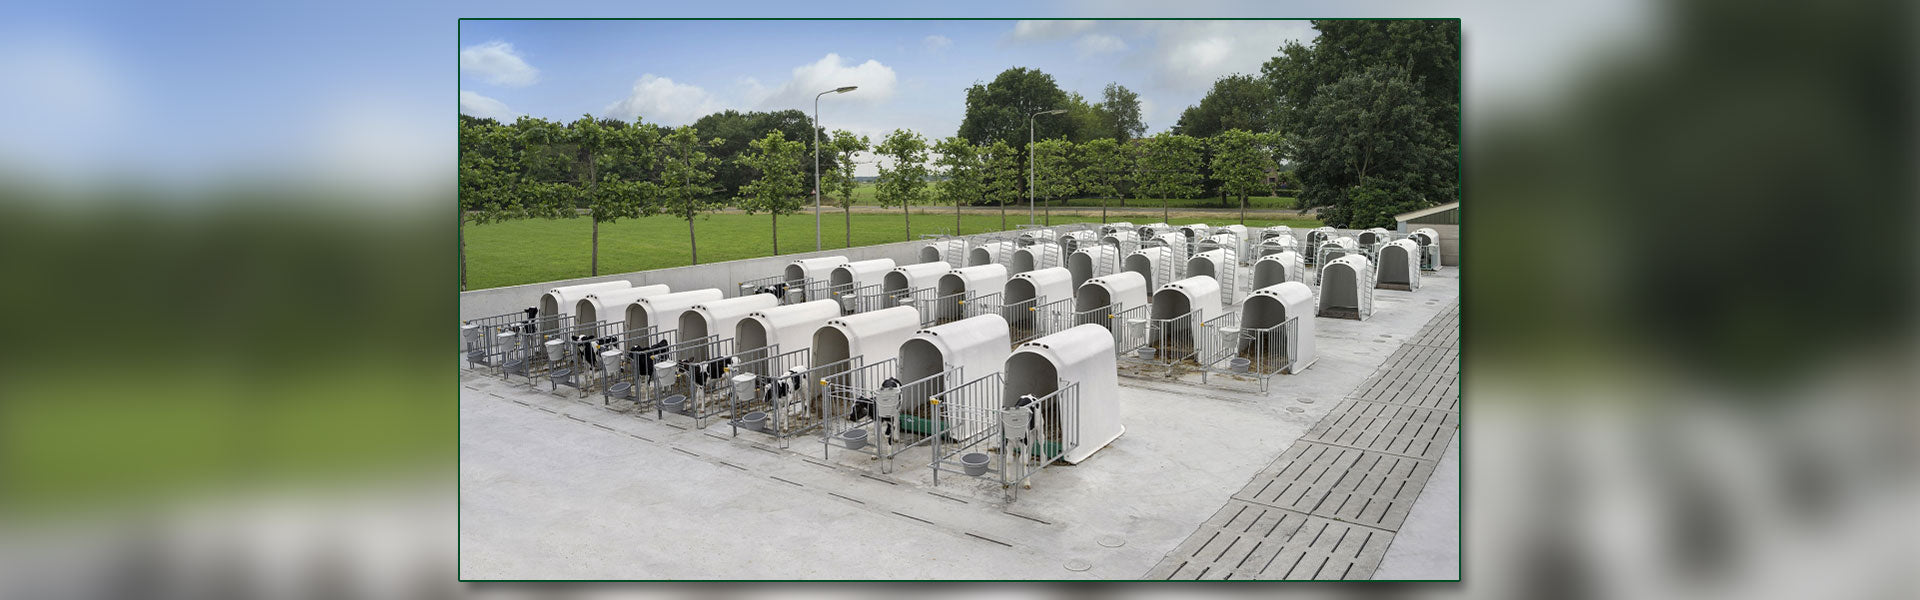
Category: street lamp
[816,159]
[1030,119]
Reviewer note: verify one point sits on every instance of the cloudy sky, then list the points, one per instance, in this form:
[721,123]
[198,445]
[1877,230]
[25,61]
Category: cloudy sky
[912,74]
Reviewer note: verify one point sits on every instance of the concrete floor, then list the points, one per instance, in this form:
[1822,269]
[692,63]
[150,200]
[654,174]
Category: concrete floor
[553,487]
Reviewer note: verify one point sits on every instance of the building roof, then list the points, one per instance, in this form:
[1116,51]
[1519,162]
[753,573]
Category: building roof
[1427,211]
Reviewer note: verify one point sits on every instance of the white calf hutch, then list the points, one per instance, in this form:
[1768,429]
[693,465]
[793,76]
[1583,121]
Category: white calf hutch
[979,285]
[1154,264]
[1429,241]
[662,312]
[991,253]
[913,284]
[717,320]
[1116,302]
[786,328]
[856,285]
[1277,268]
[809,275]
[952,251]
[1082,421]
[610,307]
[1174,316]
[1035,302]
[1399,266]
[1346,288]
[1093,261]
[1038,256]
[558,304]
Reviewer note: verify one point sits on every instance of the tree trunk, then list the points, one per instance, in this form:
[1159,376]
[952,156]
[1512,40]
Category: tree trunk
[1166,209]
[1243,209]
[956,215]
[1003,214]
[1103,210]
[849,210]
[1046,213]
[776,234]
[693,244]
[594,266]
[906,212]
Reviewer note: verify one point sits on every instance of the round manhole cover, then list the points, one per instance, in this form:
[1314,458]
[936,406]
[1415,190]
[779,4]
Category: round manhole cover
[1295,409]
[1078,565]
[1112,542]
[1306,401]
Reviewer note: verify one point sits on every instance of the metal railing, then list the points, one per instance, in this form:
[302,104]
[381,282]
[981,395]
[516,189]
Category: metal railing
[859,299]
[789,291]
[1170,341]
[699,378]
[780,397]
[568,368]
[1027,438]
[640,348]
[1228,347]
[1126,338]
[485,341]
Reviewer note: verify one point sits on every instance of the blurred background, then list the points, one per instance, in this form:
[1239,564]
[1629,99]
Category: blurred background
[1690,322]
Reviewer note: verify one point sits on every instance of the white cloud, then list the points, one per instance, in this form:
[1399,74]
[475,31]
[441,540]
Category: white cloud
[936,43]
[476,105]
[660,100]
[1191,54]
[495,62]
[1034,31]
[1099,43]
[876,82]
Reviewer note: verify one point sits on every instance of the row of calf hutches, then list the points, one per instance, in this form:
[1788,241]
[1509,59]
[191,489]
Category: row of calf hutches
[1078,294]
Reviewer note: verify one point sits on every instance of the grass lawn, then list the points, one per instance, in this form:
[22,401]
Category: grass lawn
[529,251]
[863,195]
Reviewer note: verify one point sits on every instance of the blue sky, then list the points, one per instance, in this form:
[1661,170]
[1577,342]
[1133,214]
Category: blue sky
[912,74]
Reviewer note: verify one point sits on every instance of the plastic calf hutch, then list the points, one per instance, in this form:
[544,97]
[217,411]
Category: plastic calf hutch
[610,307]
[1109,228]
[1399,266]
[873,337]
[663,311]
[990,253]
[850,280]
[1373,237]
[1429,241]
[1152,230]
[1154,264]
[952,251]
[1175,241]
[719,318]
[955,287]
[810,271]
[787,327]
[1037,256]
[1195,232]
[1276,231]
[1276,245]
[1345,288]
[978,345]
[1104,300]
[1221,264]
[1124,239]
[1315,238]
[1036,236]
[1176,312]
[1236,235]
[902,283]
[1074,240]
[1028,294]
[1093,261]
[1081,355]
[1263,314]
[1276,268]
[562,301]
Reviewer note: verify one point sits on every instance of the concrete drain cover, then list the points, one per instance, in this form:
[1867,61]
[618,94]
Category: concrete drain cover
[1306,401]
[1295,409]
[1112,542]
[1078,565]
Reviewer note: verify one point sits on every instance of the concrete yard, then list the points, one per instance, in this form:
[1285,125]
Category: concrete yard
[1348,470]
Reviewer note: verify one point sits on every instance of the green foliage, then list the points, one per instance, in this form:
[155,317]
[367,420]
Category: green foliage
[1369,130]
[903,177]
[1121,107]
[737,130]
[1240,162]
[1235,102]
[838,181]
[1053,169]
[959,161]
[1169,166]
[1002,174]
[1428,51]
[780,183]
[686,170]
[1104,168]
[998,111]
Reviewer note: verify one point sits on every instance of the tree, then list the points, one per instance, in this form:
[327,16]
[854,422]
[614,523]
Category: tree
[904,182]
[1053,172]
[1089,121]
[1121,107]
[1002,176]
[1240,163]
[838,180]
[781,183]
[959,160]
[608,198]
[1366,153]
[1234,102]
[1169,168]
[1104,167]
[1428,51]
[998,111]
[685,172]
[739,129]
[488,180]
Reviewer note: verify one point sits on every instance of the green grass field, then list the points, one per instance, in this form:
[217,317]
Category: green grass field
[863,195]
[530,251]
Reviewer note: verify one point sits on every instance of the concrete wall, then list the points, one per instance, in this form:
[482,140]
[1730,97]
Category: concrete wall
[723,275]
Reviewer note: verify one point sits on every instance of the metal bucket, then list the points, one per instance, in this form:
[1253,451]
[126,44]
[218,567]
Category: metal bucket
[855,439]
[974,463]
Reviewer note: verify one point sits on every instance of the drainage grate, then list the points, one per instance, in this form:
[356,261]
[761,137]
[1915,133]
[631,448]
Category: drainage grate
[1414,388]
[1250,541]
[1393,428]
[1429,359]
[1375,489]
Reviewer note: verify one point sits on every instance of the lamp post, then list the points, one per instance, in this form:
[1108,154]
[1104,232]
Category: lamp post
[1030,119]
[816,159]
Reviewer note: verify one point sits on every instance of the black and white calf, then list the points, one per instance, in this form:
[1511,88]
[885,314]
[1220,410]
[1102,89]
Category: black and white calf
[1022,425]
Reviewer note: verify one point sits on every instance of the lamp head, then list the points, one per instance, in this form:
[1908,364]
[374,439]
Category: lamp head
[846,89]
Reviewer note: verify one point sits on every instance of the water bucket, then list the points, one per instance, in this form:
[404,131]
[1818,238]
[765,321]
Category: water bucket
[620,391]
[974,463]
[556,350]
[676,403]
[1239,365]
[855,439]
[610,362]
[1149,353]
[755,420]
